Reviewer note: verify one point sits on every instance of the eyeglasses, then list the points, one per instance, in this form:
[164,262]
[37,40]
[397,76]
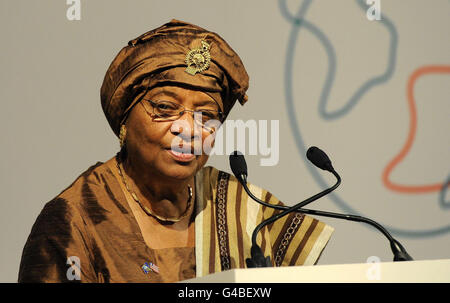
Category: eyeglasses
[171,111]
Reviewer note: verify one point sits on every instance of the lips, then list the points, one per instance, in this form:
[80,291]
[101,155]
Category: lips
[185,149]
[184,154]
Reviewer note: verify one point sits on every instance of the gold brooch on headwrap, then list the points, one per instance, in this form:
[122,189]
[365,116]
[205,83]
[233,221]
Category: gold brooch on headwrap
[198,59]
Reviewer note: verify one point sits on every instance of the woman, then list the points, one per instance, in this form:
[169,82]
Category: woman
[154,213]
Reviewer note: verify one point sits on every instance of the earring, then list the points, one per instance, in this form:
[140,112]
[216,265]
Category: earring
[122,135]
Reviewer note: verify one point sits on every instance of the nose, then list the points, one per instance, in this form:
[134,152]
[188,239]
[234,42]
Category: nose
[184,125]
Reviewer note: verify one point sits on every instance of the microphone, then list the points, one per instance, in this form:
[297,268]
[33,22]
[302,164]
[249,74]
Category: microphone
[237,163]
[321,160]
[239,169]
[238,166]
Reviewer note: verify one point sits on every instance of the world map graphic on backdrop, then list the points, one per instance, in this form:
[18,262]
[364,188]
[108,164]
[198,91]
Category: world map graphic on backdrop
[299,22]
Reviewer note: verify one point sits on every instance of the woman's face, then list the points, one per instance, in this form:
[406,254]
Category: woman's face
[156,145]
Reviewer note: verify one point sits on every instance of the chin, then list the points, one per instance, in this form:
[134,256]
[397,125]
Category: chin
[181,170]
[178,170]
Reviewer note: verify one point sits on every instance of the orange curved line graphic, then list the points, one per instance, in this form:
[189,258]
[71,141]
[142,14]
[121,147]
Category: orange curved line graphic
[412,189]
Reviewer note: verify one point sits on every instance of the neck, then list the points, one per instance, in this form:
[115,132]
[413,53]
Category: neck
[166,197]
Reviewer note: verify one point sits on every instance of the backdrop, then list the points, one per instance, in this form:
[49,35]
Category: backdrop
[373,94]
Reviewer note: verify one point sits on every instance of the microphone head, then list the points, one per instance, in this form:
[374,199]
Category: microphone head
[319,158]
[238,165]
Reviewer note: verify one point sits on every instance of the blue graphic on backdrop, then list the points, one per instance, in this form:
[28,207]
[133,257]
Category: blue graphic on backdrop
[298,21]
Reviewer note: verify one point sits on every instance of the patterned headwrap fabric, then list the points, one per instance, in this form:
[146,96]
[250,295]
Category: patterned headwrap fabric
[158,58]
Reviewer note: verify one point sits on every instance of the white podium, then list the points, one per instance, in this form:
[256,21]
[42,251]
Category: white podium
[430,271]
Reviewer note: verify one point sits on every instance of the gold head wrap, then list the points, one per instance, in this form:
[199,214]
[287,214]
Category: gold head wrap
[177,53]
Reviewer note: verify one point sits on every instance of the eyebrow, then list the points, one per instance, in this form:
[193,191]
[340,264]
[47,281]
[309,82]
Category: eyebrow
[166,92]
[175,96]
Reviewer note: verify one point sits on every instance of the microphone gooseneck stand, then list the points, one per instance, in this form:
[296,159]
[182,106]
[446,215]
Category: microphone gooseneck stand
[258,259]
[321,160]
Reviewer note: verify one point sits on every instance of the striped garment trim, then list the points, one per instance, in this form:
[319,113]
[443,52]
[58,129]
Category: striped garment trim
[299,246]
[265,244]
[214,254]
[242,215]
[308,241]
[235,226]
[253,212]
[206,250]
[199,206]
[241,236]
[288,235]
[319,245]
[222,221]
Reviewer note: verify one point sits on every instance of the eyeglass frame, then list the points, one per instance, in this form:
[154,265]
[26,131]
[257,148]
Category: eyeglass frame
[180,114]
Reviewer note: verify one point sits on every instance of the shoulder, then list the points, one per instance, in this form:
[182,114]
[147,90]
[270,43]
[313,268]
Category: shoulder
[66,227]
[212,175]
[69,206]
[214,179]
